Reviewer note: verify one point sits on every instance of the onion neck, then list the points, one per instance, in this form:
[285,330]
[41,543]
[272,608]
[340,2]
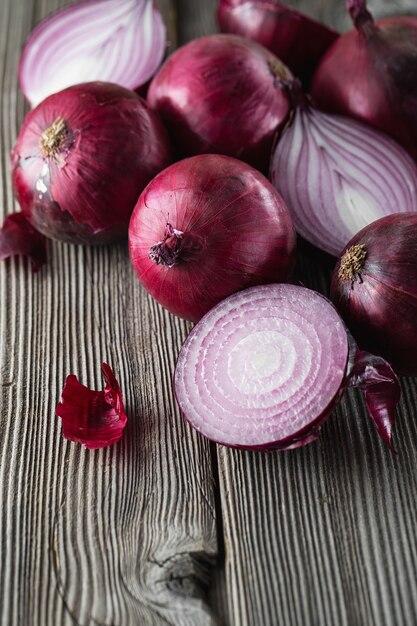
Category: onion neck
[298,98]
[361,17]
[352,262]
[53,138]
[167,252]
[279,72]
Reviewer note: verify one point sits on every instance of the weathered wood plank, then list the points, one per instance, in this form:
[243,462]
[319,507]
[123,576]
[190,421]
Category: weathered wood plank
[125,535]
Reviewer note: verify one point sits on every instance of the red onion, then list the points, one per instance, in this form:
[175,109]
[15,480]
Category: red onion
[374,287]
[19,238]
[82,158]
[119,41]
[222,94]
[205,228]
[265,367]
[94,418]
[337,175]
[370,73]
[296,39]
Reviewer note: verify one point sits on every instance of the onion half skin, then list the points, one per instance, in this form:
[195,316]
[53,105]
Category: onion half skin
[374,287]
[82,158]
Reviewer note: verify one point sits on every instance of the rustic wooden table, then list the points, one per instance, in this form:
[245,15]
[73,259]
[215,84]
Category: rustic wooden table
[164,527]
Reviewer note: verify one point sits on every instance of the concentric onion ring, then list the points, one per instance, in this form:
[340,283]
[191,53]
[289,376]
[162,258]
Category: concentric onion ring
[263,368]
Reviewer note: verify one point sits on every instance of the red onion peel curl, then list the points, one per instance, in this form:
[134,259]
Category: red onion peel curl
[118,41]
[374,287]
[82,158]
[19,238]
[337,175]
[222,94]
[265,367]
[296,39]
[206,227]
[369,73]
[95,419]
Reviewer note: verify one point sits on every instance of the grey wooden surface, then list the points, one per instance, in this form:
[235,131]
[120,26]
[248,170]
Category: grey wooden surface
[165,528]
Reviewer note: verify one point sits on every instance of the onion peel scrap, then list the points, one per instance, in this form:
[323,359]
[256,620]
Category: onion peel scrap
[19,238]
[95,419]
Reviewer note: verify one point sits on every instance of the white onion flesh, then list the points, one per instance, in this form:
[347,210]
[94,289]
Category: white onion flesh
[338,175]
[262,366]
[118,41]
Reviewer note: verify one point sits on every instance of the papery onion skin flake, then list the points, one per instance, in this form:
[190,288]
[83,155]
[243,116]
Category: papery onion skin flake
[296,39]
[19,238]
[95,419]
[118,41]
[206,227]
[338,175]
[82,158]
[264,368]
[374,287]
[222,94]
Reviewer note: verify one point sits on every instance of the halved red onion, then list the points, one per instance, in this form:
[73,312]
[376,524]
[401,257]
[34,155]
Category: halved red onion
[94,418]
[118,41]
[264,368]
[338,175]
[19,238]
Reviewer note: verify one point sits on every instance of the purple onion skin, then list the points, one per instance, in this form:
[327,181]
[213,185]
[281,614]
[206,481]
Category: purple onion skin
[296,39]
[237,232]
[112,145]
[380,305]
[222,94]
[370,74]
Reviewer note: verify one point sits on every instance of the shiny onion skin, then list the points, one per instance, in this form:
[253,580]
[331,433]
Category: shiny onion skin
[374,286]
[264,369]
[206,227]
[82,158]
[337,175]
[370,73]
[296,39]
[222,94]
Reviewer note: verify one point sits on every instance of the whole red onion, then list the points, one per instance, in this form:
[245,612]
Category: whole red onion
[82,158]
[222,94]
[206,227]
[374,287]
[296,39]
[370,73]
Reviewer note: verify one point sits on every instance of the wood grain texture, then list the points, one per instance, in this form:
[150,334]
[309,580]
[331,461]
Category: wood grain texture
[125,535]
[164,528]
